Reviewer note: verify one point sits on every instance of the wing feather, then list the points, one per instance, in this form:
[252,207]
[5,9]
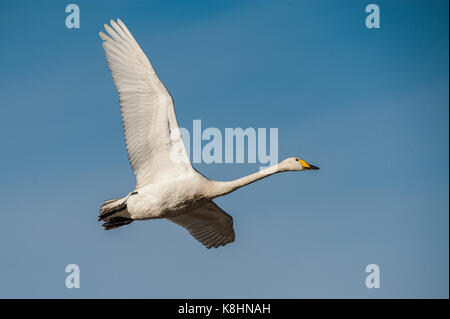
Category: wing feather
[209,224]
[155,148]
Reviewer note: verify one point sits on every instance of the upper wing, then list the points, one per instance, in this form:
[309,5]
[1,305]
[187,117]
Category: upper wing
[209,224]
[155,148]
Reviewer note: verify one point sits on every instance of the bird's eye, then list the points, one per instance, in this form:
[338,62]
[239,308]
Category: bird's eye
[296,159]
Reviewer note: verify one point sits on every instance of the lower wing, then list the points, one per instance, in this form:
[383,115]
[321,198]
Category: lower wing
[209,224]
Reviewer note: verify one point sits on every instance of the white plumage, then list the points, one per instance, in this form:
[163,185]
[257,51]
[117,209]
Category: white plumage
[167,186]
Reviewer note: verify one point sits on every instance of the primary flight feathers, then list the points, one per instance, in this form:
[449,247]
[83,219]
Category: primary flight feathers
[147,108]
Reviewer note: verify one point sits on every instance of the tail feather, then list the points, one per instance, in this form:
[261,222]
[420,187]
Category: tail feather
[108,201]
[108,210]
[116,221]
[114,213]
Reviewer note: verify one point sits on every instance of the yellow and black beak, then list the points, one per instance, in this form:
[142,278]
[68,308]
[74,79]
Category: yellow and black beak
[308,166]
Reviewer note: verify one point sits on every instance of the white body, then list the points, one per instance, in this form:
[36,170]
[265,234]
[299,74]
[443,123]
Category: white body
[168,198]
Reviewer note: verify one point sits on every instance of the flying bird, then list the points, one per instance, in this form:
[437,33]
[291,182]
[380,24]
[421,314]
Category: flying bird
[167,186]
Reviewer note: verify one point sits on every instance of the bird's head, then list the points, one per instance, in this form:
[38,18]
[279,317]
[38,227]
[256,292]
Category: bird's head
[296,164]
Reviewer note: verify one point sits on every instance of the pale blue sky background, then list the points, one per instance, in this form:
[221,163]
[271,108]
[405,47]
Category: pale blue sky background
[370,107]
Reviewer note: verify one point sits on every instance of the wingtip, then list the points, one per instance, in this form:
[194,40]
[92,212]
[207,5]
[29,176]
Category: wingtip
[107,28]
[103,36]
[113,23]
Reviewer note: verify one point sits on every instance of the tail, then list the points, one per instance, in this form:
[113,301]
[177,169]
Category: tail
[114,213]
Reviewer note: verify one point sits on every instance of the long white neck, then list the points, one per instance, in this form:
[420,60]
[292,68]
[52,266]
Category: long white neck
[223,188]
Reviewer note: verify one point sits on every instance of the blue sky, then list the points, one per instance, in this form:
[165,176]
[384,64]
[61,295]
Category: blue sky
[370,107]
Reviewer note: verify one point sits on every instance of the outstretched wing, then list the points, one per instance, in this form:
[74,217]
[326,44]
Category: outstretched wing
[155,148]
[209,224]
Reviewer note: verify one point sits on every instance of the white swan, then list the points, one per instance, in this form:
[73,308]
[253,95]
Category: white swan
[165,188]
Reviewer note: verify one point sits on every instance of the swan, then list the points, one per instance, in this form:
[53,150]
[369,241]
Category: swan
[167,186]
